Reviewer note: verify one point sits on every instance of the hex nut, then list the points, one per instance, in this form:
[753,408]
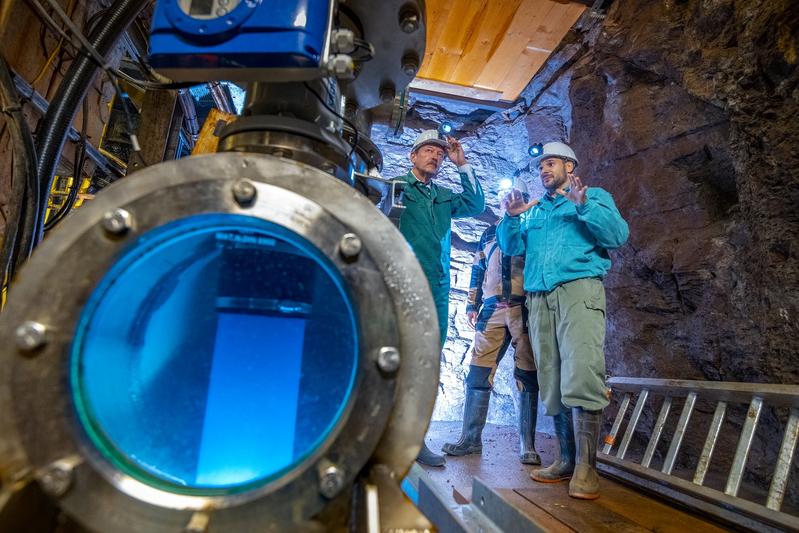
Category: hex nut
[117,221]
[331,481]
[30,335]
[388,359]
[244,192]
[350,246]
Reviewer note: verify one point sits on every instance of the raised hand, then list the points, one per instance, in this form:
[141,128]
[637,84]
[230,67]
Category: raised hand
[577,193]
[515,204]
[455,151]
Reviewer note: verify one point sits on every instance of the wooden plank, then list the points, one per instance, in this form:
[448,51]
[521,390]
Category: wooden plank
[580,515]
[528,63]
[153,133]
[536,513]
[518,36]
[560,20]
[465,91]
[490,32]
[650,513]
[436,13]
[458,29]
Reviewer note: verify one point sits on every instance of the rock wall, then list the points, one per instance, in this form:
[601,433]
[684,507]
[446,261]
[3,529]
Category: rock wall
[686,111]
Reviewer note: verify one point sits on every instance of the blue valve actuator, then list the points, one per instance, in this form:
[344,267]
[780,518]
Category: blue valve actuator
[240,40]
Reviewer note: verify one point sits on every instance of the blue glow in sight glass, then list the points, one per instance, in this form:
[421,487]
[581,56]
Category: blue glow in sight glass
[215,355]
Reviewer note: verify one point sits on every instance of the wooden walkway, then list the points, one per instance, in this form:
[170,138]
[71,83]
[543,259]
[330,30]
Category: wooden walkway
[619,509]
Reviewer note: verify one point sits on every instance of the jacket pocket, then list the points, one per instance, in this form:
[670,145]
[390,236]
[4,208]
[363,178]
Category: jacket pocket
[595,301]
[535,223]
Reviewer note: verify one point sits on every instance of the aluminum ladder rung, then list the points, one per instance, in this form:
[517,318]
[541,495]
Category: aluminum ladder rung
[657,431]
[610,439]
[724,502]
[744,445]
[679,433]
[776,492]
[631,425]
[710,443]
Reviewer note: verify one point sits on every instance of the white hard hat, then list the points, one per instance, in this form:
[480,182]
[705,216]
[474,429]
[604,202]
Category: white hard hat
[429,137]
[556,149]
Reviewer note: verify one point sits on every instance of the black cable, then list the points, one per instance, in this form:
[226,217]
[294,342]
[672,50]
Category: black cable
[77,173]
[100,60]
[21,224]
[154,85]
[336,113]
[54,127]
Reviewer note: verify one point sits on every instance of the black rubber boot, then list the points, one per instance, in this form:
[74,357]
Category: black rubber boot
[474,419]
[528,416]
[563,467]
[585,481]
[427,457]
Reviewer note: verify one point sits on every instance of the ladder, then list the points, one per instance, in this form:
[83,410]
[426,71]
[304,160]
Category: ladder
[726,505]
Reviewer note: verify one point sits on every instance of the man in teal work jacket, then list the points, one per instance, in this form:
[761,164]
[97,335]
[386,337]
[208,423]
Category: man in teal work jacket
[427,218]
[565,237]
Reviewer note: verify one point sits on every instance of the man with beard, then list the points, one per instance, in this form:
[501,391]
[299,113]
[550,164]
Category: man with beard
[565,236]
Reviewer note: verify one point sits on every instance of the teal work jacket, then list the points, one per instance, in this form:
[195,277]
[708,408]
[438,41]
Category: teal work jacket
[427,219]
[562,241]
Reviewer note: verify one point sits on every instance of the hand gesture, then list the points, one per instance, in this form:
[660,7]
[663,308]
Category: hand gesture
[471,318]
[577,192]
[455,151]
[515,204]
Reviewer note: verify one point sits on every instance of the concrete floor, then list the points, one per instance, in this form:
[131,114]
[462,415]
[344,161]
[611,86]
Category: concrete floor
[618,509]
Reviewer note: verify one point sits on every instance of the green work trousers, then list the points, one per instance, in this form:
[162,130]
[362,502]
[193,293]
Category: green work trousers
[567,333]
[441,299]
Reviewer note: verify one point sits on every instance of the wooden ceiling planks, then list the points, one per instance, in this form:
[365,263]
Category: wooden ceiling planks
[484,41]
[495,45]
[547,35]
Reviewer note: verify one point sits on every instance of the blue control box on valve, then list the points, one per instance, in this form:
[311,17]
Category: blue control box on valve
[240,40]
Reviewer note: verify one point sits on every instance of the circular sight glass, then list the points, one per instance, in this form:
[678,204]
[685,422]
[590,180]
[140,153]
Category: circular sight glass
[216,354]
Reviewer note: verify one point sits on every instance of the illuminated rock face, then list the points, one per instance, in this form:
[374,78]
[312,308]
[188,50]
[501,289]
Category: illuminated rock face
[686,112]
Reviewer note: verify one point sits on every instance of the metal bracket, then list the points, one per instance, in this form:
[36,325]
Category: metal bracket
[387,194]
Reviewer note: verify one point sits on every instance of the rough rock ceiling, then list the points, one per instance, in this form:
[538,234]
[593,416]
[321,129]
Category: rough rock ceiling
[490,49]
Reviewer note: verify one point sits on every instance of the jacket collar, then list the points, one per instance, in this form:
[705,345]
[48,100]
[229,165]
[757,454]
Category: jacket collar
[557,200]
[411,179]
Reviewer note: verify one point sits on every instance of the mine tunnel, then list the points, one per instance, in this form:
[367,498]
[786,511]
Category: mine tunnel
[407,265]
